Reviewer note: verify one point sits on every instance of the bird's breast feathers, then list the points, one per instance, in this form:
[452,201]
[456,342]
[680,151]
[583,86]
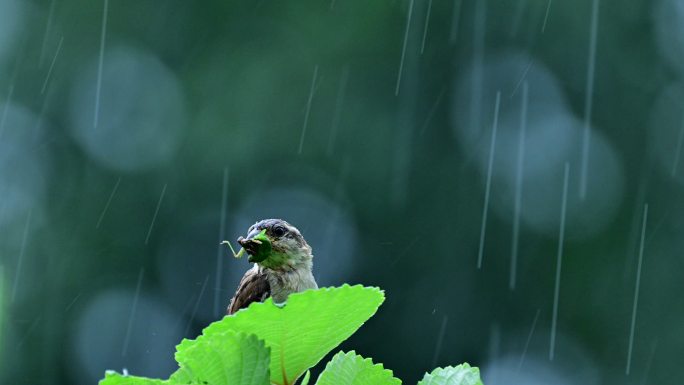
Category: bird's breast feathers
[283,283]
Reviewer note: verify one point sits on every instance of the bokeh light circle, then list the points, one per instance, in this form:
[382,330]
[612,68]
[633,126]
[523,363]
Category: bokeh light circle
[12,16]
[474,95]
[542,187]
[527,362]
[553,136]
[666,139]
[101,339]
[535,371]
[668,22]
[136,123]
[24,163]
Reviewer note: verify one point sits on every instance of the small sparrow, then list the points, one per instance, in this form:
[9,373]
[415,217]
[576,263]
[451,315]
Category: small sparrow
[282,264]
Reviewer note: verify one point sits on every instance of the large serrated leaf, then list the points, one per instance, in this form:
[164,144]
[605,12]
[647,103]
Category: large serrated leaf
[352,369]
[462,374]
[224,359]
[305,329]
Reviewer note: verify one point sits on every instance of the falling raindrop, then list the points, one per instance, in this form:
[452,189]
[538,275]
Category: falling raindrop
[403,50]
[518,190]
[131,318]
[529,338]
[427,23]
[20,259]
[308,109]
[431,114]
[109,201]
[440,339]
[48,29]
[156,211]
[636,291]
[220,247]
[559,262]
[490,165]
[546,16]
[197,304]
[588,99]
[52,64]
[100,63]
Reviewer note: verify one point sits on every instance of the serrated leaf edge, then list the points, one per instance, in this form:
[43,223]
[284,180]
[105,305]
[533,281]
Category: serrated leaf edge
[352,354]
[437,371]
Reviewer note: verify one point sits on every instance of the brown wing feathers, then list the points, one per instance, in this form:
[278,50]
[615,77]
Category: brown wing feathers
[253,287]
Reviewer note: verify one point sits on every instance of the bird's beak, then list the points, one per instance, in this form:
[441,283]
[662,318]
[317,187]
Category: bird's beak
[257,245]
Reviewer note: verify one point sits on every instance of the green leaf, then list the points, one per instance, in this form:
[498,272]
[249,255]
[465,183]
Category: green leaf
[462,374]
[224,359]
[181,376]
[352,369]
[112,378]
[305,329]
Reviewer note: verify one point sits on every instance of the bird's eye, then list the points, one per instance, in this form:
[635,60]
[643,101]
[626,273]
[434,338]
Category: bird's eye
[279,231]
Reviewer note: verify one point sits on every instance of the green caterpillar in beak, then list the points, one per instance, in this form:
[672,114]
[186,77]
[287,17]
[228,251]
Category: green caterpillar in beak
[258,248]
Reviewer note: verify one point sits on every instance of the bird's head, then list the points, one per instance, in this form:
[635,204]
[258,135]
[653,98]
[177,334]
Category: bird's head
[276,244]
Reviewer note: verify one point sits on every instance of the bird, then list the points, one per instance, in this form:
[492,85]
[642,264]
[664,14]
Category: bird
[283,263]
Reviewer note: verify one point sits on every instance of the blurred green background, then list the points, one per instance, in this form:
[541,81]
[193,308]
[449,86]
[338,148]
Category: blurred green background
[136,135]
